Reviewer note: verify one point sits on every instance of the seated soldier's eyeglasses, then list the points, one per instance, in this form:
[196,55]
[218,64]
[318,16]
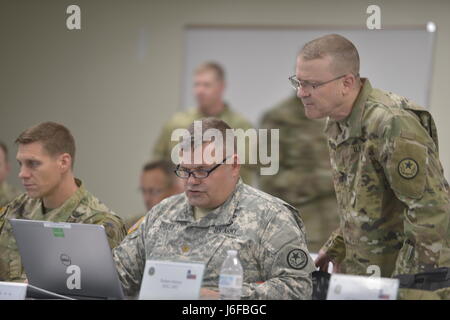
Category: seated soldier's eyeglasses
[184,173]
[306,85]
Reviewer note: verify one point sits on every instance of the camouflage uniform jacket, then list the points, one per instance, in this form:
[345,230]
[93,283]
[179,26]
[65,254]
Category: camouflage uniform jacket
[305,172]
[81,207]
[266,231]
[7,193]
[392,194]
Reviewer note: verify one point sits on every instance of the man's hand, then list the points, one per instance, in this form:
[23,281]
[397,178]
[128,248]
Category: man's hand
[323,260]
[208,294]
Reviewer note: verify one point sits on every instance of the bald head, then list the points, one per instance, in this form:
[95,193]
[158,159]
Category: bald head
[343,53]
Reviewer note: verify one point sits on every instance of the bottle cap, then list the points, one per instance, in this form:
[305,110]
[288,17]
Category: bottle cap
[232,252]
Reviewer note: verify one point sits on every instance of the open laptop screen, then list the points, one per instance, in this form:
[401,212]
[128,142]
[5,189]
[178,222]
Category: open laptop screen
[72,259]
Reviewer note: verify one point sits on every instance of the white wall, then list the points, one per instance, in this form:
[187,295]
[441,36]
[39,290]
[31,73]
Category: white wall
[258,61]
[114,82]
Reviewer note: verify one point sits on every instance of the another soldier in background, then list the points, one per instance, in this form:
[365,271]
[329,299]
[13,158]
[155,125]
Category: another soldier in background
[216,213]
[46,155]
[158,181]
[392,194]
[209,87]
[304,178]
[7,192]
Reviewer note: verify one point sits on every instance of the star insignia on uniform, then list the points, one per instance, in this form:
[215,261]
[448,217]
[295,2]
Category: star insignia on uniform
[408,168]
[297,259]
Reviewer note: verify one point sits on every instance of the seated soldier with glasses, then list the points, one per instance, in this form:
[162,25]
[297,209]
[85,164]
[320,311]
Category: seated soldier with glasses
[218,212]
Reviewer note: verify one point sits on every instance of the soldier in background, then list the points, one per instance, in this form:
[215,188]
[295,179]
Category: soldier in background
[209,88]
[46,155]
[216,213]
[392,193]
[304,178]
[157,182]
[7,192]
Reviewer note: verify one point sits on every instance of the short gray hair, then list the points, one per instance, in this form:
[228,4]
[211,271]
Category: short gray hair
[342,51]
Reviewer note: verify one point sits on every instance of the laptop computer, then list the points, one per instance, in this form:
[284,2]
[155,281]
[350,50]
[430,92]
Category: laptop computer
[71,259]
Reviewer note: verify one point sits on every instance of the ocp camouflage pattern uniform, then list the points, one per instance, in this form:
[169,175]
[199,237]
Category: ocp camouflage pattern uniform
[266,231]
[183,119]
[81,207]
[7,193]
[415,294]
[304,178]
[393,196]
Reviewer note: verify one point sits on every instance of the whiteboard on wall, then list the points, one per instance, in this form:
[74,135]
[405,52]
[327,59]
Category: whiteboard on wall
[259,60]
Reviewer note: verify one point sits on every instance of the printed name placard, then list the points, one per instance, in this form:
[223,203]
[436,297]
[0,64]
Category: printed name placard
[12,291]
[167,280]
[349,287]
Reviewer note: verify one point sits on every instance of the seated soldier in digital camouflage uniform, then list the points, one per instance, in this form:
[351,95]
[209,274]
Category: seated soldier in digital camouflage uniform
[216,213]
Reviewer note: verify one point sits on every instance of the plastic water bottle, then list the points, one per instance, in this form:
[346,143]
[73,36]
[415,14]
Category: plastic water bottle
[230,282]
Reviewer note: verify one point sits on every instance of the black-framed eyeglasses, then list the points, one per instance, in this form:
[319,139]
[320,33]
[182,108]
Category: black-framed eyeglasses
[306,85]
[184,173]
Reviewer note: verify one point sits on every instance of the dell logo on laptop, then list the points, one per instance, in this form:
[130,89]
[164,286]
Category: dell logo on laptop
[74,271]
[65,259]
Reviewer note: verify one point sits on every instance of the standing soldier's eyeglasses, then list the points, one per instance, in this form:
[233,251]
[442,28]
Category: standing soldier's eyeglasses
[306,85]
[197,173]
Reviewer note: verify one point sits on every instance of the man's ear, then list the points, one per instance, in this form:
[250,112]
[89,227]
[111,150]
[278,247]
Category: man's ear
[349,83]
[235,165]
[65,162]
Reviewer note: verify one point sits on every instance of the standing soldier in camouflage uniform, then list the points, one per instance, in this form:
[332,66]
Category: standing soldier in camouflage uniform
[218,212]
[389,182]
[304,178]
[209,87]
[7,192]
[46,155]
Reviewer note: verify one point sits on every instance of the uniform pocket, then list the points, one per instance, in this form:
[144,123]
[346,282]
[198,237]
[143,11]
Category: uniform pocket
[221,244]
[406,259]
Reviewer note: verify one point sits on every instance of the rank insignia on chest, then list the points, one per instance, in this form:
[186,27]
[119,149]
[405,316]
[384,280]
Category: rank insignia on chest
[356,148]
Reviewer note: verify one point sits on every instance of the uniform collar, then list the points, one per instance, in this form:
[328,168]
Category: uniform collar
[226,111]
[350,127]
[68,207]
[222,215]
